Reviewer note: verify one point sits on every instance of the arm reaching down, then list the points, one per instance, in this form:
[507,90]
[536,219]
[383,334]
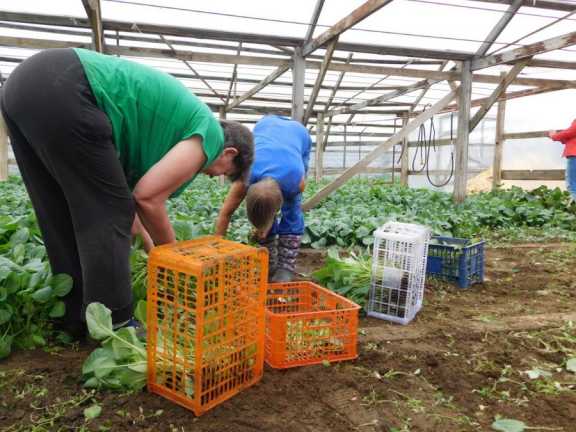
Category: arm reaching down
[179,165]
[233,200]
[138,229]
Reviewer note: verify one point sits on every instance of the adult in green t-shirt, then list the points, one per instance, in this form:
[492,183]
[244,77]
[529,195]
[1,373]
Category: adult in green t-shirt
[102,143]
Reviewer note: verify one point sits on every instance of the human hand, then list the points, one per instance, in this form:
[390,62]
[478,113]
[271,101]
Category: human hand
[302,185]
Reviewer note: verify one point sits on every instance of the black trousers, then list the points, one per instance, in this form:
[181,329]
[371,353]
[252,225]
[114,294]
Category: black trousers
[66,155]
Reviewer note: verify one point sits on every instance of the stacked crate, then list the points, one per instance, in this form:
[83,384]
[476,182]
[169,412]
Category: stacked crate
[206,305]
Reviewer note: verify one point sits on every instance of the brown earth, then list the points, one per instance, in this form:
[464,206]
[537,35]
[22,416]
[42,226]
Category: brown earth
[459,364]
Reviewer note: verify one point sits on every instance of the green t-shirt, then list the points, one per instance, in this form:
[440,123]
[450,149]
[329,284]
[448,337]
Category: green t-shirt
[150,112]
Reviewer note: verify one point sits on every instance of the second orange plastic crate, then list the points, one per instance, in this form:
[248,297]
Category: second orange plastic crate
[206,300]
[307,324]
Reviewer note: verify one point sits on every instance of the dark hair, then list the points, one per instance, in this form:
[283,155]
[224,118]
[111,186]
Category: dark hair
[238,136]
[263,200]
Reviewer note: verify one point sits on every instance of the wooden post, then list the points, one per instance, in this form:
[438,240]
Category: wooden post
[319,165]
[94,13]
[461,150]
[345,146]
[3,150]
[404,160]
[499,145]
[298,72]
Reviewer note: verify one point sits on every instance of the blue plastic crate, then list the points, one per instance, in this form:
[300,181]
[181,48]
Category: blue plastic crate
[456,260]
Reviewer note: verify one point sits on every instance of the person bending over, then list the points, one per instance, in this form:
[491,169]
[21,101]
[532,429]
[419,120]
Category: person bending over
[273,192]
[101,144]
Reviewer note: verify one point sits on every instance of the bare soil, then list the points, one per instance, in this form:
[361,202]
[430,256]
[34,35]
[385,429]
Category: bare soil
[457,366]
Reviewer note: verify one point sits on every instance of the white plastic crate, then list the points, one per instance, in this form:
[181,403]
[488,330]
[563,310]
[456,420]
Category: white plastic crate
[398,271]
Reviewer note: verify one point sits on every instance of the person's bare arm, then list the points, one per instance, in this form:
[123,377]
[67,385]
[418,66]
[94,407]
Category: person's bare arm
[138,229]
[233,200]
[180,164]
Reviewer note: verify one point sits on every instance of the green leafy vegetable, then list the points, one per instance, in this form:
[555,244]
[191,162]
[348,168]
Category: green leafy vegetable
[509,425]
[92,412]
[120,363]
[348,276]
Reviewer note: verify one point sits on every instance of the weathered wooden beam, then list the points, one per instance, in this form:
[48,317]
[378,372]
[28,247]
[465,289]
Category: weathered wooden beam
[411,144]
[285,53]
[382,170]
[280,70]
[405,157]
[531,175]
[549,24]
[377,152]
[499,145]
[319,78]
[499,27]
[462,139]
[501,88]
[265,61]
[509,96]
[94,13]
[538,4]
[363,135]
[286,111]
[438,75]
[313,21]
[525,135]
[378,100]
[344,24]
[553,64]
[525,51]
[203,33]
[3,150]
[275,83]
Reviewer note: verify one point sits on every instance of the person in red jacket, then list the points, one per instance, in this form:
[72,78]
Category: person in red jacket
[568,138]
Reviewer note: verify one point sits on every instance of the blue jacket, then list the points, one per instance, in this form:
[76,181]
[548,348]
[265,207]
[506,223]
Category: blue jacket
[282,152]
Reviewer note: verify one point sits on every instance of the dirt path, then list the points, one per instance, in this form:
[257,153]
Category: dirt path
[464,360]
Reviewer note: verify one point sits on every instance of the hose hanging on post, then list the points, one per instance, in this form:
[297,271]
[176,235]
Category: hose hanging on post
[423,146]
[444,183]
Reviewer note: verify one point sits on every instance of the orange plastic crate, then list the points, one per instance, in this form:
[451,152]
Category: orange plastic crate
[206,316]
[307,324]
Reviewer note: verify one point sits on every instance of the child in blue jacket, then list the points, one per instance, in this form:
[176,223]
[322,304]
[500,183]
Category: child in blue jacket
[276,183]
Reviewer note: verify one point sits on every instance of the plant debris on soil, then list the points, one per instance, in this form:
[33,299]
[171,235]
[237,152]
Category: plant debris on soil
[497,350]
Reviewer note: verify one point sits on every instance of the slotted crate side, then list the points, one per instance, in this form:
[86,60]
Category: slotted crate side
[222,343]
[457,260]
[308,324]
[233,332]
[390,295]
[171,331]
[398,272]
